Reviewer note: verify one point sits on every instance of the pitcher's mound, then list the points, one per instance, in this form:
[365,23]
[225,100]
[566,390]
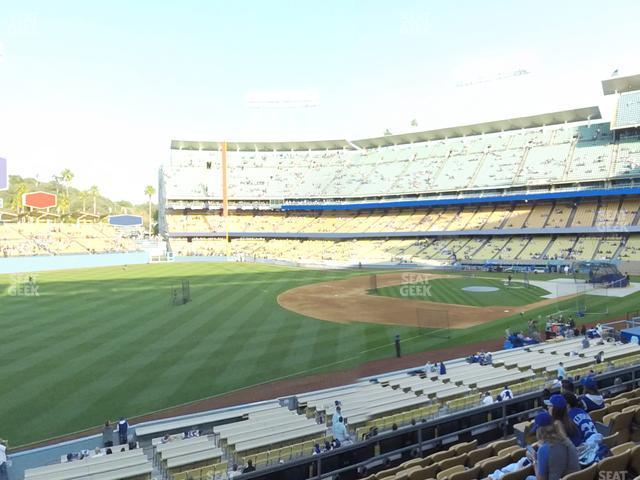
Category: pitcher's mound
[480,289]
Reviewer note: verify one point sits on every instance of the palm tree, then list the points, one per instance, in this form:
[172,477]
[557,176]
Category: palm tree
[56,180]
[94,192]
[84,194]
[16,201]
[149,191]
[64,204]
[66,176]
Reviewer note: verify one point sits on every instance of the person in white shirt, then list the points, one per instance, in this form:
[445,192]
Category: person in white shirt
[234,471]
[4,475]
[487,399]
[562,373]
[339,430]
[428,368]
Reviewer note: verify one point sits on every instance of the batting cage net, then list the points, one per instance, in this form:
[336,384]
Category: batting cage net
[604,274]
[182,294]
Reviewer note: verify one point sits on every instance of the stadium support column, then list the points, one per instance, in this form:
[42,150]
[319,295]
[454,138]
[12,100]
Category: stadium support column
[225,199]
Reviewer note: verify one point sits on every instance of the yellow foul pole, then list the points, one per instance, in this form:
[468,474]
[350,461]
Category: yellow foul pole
[225,199]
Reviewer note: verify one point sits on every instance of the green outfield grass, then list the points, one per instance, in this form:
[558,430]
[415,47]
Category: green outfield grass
[100,343]
[450,290]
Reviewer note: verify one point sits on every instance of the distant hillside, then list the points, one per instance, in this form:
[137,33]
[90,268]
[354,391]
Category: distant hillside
[72,202]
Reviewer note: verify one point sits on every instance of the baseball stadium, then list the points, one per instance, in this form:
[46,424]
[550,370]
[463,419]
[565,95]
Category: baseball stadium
[406,306]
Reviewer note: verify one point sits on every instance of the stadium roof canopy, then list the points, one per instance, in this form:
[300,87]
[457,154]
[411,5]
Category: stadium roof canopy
[565,116]
[628,83]
[263,146]
[534,121]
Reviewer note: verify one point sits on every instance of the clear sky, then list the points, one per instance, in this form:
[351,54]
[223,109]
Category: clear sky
[102,87]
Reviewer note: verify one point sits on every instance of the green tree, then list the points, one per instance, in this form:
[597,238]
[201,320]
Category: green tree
[56,181]
[16,201]
[149,191]
[63,204]
[84,195]
[66,176]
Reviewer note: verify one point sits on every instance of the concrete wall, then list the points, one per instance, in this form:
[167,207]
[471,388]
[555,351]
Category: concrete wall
[63,262]
[632,267]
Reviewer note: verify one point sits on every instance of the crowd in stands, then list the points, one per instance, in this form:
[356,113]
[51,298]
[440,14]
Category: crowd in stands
[449,249]
[516,158]
[429,251]
[28,239]
[544,215]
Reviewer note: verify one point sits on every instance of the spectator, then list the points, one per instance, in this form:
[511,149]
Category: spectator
[107,434]
[97,452]
[339,430]
[123,428]
[556,456]
[564,425]
[599,358]
[338,412]
[4,475]
[109,451]
[561,371]
[585,342]
[583,331]
[327,446]
[443,369]
[428,368]
[505,394]
[234,471]
[316,449]
[249,468]
[487,399]
[582,420]
[617,387]
[591,400]
[165,438]
[567,386]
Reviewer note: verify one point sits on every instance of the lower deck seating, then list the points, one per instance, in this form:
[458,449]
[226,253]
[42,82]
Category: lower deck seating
[26,239]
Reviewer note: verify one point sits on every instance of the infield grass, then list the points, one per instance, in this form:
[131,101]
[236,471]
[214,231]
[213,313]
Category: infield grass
[451,290]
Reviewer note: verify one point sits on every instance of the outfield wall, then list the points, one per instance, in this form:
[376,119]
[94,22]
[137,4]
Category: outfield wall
[63,262]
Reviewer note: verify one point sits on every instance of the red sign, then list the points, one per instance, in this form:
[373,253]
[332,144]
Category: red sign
[39,200]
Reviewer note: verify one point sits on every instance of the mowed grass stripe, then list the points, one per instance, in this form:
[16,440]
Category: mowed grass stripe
[450,290]
[211,368]
[116,345]
[123,361]
[82,324]
[89,365]
[152,364]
